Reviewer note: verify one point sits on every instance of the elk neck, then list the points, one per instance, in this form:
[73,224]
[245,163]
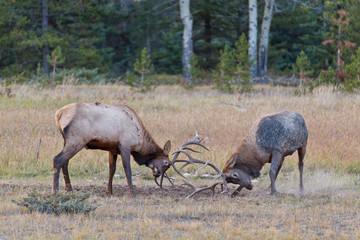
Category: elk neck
[148,149]
[245,158]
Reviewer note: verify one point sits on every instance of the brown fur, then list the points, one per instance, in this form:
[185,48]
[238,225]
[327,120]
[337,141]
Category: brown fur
[113,128]
[270,140]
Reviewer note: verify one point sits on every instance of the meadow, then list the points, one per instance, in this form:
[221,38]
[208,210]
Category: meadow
[329,208]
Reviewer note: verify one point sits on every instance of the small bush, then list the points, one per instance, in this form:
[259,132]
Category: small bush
[56,204]
[143,67]
[302,69]
[225,70]
[243,65]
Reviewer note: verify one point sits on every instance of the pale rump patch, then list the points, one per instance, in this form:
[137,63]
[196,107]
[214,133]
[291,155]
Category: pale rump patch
[64,115]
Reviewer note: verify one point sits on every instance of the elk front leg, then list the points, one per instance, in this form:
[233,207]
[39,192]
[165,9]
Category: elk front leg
[112,169]
[125,157]
[276,162]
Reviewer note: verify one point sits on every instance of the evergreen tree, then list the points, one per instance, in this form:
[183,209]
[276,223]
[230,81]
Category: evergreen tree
[143,67]
[301,69]
[56,58]
[225,70]
[296,30]
[244,63]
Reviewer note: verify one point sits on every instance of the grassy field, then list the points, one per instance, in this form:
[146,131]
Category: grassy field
[329,208]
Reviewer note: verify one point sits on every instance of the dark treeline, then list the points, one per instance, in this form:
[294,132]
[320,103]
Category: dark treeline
[109,35]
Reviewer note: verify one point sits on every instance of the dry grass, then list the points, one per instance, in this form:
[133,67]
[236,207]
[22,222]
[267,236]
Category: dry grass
[328,209]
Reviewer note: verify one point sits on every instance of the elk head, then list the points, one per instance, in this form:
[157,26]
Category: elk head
[161,163]
[238,176]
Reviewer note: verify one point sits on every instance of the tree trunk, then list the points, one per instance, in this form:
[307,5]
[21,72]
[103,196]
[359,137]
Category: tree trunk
[338,71]
[208,34]
[187,44]
[264,37]
[45,26]
[241,11]
[253,35]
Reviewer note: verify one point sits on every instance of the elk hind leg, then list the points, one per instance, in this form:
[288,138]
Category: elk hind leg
[61,161]
[66,176]
[301,154]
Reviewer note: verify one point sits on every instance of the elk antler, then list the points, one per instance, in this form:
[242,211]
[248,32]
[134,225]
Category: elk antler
[161,179]
[197,189]
[185,150]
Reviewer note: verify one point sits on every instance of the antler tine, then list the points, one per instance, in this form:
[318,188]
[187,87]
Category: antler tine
[203,166]
[197,189]
[236,191]
[190,149]
[195,142]
[173,163]
[157,182]
[193,160]
[186,162]
[185,150]
[161,180]
[167,177]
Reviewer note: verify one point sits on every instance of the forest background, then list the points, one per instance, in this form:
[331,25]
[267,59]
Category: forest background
[99,41]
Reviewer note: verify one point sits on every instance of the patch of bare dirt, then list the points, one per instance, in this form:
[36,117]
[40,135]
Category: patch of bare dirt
[119,190]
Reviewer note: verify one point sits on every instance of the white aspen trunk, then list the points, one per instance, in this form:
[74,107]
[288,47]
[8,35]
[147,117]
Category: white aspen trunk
[264,37]
[187,44]
[253,35]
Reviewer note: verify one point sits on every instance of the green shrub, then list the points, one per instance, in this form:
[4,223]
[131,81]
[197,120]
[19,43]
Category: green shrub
[56,204]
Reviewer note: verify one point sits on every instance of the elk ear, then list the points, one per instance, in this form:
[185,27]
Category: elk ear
[167,147]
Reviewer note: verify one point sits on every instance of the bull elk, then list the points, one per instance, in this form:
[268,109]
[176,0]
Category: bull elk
[270,140]
[113,128]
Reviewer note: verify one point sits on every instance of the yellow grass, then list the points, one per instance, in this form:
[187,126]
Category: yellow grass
[329,209]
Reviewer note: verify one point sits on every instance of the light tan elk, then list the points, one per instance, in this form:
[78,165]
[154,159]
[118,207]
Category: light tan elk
[113,128]
[270,140]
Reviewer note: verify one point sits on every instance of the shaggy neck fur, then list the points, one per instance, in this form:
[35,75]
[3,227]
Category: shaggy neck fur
[245,158]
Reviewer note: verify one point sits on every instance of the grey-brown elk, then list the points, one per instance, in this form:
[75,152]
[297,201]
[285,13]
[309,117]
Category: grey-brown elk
[270,139]
[113,128]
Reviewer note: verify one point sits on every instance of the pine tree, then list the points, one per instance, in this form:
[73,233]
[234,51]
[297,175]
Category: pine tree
[143,67]
[302,68]
[56,57]
[244,63]
[352,83]
[225,70]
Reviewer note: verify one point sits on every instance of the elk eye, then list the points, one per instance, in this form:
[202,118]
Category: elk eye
[235,175]
[166,162]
